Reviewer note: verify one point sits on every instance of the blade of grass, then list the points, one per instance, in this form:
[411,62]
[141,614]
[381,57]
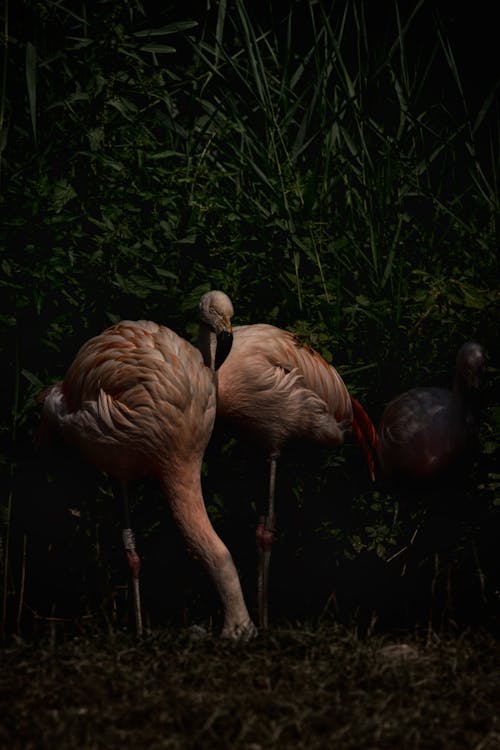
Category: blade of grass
[3,93]
[219,31]
[31,63]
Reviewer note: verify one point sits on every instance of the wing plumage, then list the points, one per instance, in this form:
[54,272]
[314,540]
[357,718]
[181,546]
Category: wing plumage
[419,432]
[365,433]
[274,386]
[135,396]
[427,432]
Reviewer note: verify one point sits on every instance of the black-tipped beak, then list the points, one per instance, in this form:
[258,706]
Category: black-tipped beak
[224,344]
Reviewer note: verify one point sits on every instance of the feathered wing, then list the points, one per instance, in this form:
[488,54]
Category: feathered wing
[365,433]
[328,384]
[278,388]
[417,432]
[127,398]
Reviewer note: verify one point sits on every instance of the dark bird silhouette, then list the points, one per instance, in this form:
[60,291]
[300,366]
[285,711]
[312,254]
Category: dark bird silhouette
[138,401]
[428,438]
[277,389]
[426,432]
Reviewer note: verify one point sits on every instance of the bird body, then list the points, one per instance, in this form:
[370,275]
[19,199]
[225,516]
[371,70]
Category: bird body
[135,399]
[138,401]
[424,432]
[277,389]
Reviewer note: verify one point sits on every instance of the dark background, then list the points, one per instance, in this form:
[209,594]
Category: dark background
[326,559]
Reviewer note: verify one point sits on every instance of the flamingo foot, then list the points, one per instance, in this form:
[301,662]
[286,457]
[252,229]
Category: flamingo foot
[242,632]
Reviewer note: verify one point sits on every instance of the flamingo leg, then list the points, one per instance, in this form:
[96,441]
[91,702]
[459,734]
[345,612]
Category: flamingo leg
[133,559]
[265,538]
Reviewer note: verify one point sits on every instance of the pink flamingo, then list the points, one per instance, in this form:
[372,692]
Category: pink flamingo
[425,431]
[276,389]
[138,401]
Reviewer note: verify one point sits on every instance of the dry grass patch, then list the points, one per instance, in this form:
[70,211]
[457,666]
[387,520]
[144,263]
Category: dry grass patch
[292,688]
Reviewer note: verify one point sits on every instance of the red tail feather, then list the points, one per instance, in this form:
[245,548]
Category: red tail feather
[365,433]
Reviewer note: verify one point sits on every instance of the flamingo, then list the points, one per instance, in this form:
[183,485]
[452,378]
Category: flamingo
[426,438]
[424,432]
[138,401]
[276,388]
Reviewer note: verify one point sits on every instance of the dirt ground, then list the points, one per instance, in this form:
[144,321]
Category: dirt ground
[293,687]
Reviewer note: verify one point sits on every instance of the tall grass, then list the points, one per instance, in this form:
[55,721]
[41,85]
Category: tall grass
[339,181]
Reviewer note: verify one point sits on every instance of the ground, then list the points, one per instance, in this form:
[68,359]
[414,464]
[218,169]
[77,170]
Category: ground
[294,687]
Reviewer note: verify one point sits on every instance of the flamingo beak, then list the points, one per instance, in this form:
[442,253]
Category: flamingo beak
[224,344]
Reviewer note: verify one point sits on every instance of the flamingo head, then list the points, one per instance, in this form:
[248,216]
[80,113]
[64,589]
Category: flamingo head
[216,311]
[470,364]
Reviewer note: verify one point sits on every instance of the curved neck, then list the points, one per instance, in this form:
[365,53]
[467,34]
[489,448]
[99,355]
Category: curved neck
[466,400]
[207,344]
[182,488]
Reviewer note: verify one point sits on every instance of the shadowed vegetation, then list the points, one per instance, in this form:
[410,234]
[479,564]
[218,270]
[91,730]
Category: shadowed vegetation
[332,185]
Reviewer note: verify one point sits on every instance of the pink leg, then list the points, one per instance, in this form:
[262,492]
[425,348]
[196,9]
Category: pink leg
[134,562]
[265,537]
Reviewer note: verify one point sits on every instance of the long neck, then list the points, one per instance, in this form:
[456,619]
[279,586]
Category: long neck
[207,344]
[181,484]
[466,403]
[182,488]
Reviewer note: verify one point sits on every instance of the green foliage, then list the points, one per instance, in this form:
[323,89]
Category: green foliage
[312,174]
